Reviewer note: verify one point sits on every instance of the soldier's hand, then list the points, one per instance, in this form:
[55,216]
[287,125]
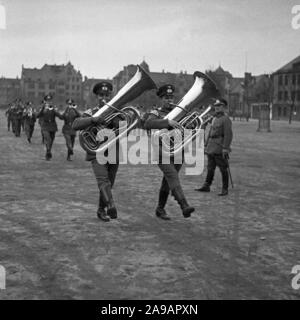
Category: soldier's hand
[225,153]
[174,124]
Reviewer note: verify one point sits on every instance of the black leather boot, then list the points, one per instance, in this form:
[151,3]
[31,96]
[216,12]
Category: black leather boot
[48,155]
[69,155]
[225,179]
[208,181]
[180,198]
[101,213]
[160,210]
[204,188]
[108,200]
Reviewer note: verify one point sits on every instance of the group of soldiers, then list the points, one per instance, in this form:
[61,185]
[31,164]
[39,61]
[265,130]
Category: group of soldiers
[23,116]
[217,144]
[217,149]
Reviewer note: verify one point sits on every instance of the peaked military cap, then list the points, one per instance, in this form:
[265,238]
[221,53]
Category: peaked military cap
[166,90]
[48,97]
[102,88]
[221,102]
[69,101]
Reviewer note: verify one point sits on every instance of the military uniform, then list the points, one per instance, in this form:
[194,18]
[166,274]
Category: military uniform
[48,125]
[217,147]
[8,114]
[105,174]
[170,182]
[17,118]
[69,115]
[29,121]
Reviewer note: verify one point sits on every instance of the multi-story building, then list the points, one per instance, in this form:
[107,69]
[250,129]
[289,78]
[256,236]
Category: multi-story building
[10,89]
[286,91]
[62,81]
[182,82]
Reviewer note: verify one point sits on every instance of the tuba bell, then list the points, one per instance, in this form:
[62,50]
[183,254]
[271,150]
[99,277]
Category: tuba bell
[174,141]
[138,84]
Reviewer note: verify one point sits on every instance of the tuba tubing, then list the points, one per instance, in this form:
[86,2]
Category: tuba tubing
[138,84]
[201,92]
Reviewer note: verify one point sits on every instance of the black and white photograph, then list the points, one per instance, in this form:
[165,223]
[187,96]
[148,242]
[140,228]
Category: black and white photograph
[150,150]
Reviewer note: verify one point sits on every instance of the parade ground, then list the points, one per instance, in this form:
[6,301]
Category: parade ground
[243,246]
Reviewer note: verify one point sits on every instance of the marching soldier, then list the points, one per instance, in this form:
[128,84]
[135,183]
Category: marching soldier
[170,181]
[105,173]
[40,121]
[29,120]
[8,115]
[69,115]
[48,124]
[17,117]
[217,147]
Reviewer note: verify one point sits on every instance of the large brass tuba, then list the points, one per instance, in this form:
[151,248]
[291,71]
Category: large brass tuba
[138,84]
[200,94]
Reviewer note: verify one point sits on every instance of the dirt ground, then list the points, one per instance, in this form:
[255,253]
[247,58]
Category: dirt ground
[239,247]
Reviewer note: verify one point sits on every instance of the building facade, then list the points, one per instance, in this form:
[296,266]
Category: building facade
[10,89]
[182,82]
[62,81]
[286,91]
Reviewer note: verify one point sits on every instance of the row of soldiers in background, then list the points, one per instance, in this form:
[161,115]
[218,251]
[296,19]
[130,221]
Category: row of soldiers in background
[21,116]
[24,116]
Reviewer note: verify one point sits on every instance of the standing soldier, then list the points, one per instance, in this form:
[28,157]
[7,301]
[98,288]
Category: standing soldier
[170,181]
[18,116]
[49,127]
[69,115]
[29,120]
[40,121]
[8,114]
[217,147]
[105,173]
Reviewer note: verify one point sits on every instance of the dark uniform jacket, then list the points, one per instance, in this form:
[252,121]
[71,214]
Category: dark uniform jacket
[48,116]
[18,112]
[85,122]
[220,135]
[29,119]
[69,116]
[154,118]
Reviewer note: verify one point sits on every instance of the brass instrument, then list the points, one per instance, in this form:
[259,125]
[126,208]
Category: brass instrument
[191,122]
[138,84]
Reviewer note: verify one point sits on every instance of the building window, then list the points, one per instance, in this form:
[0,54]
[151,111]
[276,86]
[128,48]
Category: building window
[279,111]
[280,80]
[286,96]
[78,87]
[279,96]
[284,112]
[298,78]
[41,86]
[51,86]
[294,79]
[286,80]
[31,85]
[73,87]
[293,95]
[298,95]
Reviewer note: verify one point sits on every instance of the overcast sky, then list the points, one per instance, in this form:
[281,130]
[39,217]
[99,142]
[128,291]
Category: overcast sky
[101,36]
